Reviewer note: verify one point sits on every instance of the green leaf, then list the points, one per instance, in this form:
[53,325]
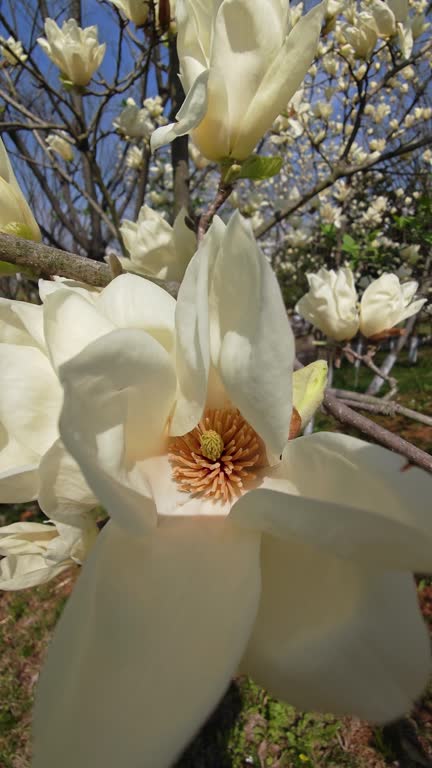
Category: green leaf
[7,269]
[349,245]
[258,167]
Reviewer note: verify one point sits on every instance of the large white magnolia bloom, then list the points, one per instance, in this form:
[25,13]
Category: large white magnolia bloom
[156,249]
[241,61]
[385,303]
[75,51]
[303,581]
[16,217]
[331,303]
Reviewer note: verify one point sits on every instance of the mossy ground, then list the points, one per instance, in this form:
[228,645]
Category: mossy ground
[249,728]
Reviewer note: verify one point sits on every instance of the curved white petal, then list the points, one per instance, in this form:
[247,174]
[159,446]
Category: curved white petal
[13,329]
[31,397]
[19,484]
[282,77]
[147,644]
[189,116]
[118,393]
[192,326]
[333,637]
[19,470]
[353,502]
[71,321]
[64,495]
[256,354]
[23,571]
[133,302]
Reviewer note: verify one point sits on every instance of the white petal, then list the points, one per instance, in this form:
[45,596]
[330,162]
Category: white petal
[12,328]
[146,646]
[19,475]
[283,77]
[354,502]
[132,302]
[25,538]
[192,325]
[257,345]
[118,393]
[31,397]
[64,495]
[190,115]
[336,638]
[71,322]
[23,571]
[19,484]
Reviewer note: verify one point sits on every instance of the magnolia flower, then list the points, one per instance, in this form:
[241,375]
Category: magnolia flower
[331,303]
[385,303]
[34,553]
[363,36]
[220,554]
[133,122]
[240,62]
[157,249]
[135,158]
[75,51]
[16,217]
[12,51]
[60,143]
[134,10]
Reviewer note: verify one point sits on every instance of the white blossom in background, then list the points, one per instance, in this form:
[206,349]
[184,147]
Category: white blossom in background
[386,303]
[331,303]
[221,556]
[134,122]
[134,10]
[61,144]
[155,107]
[75,51]
[16,217]
[155,248]
[135,158]
[240,64]
[12,51]
[362,36]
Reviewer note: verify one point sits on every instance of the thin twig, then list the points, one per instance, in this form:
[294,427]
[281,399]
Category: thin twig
[366,359]
[223,193]
[378,405]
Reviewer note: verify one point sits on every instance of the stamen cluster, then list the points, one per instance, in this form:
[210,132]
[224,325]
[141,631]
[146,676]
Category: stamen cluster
[241,452]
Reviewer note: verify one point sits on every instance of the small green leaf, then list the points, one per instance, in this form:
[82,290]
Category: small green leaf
[258,167]
[8,269]
[349,245]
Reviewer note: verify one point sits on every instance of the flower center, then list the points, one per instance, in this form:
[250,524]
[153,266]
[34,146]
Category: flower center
[218,457]
[212,444]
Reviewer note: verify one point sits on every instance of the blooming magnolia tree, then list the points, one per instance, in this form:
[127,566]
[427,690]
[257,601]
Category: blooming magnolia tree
[161,435]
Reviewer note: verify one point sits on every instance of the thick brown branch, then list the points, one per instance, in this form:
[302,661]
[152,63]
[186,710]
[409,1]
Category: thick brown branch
[345,415]
[45,261]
